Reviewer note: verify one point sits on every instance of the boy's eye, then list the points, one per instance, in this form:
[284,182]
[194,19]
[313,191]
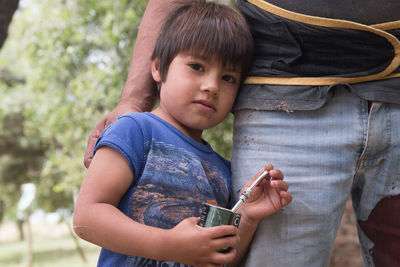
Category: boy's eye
[196,66]
[229,78]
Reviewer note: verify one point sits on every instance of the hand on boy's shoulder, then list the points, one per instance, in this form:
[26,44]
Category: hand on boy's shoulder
[101,125]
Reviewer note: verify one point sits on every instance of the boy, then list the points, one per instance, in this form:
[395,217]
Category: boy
[152,172]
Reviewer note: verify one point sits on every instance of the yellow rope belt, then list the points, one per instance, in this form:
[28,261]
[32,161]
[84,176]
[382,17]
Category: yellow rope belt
[378,29]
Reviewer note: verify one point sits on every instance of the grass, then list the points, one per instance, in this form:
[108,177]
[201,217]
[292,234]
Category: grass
[52,246]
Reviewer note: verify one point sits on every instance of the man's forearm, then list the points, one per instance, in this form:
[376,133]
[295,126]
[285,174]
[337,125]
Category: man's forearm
[140,91]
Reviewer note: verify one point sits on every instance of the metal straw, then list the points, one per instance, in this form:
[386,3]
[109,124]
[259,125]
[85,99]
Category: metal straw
[246,193]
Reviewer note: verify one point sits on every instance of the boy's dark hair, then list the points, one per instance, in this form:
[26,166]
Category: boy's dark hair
[205,29]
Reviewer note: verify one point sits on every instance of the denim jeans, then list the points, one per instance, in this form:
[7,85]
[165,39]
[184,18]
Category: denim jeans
[348,146]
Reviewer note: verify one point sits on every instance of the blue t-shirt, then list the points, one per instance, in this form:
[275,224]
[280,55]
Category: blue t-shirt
[173,177]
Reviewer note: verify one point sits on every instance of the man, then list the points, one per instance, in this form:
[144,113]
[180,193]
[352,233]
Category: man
[322,103]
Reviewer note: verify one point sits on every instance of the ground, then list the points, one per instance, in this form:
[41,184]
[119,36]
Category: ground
[54,247]
[347,252]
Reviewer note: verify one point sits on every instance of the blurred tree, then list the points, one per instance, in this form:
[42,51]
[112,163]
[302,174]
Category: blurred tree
[21,158]
[68,61]
[7,9]
[220,137]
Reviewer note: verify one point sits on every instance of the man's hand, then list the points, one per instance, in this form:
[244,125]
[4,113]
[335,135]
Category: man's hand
[103,123]
[139,90]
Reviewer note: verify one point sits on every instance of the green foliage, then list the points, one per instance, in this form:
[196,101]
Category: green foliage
[220,137]
[22,152]
[73,57]
[62,68]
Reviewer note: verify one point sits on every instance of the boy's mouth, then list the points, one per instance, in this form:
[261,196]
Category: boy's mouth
[205,105]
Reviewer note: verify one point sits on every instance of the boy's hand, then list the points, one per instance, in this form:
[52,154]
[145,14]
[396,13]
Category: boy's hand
[199,246]
[269,196]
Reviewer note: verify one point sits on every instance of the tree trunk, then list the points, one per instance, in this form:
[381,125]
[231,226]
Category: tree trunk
[7,9]
[29,259]
[75,239]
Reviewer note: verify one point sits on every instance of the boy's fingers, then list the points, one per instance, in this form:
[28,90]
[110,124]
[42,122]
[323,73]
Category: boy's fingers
[260,172]
[225,242]
[221,231]
[286,198]
[219,258]
[194,220]
[276,174]
[279,184]
[268,167]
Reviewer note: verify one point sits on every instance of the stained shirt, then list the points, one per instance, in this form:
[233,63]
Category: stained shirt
[173,177]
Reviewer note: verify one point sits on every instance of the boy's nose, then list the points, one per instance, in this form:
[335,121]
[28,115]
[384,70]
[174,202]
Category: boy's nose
[210,85]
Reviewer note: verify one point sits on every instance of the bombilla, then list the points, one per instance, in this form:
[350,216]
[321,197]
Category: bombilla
[246,193]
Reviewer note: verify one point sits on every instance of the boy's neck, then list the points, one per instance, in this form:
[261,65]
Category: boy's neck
[192,133]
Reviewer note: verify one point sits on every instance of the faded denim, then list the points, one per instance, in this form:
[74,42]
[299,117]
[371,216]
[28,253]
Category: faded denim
[344,147]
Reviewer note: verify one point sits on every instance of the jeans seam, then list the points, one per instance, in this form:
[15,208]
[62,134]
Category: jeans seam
[365,116]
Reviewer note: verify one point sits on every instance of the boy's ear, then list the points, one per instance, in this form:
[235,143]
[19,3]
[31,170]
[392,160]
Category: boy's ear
[155,72]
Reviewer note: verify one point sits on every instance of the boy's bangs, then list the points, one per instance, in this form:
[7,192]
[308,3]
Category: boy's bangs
[216,40]
[208,30]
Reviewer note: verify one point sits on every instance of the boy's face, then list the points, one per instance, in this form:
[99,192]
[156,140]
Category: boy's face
[197,93]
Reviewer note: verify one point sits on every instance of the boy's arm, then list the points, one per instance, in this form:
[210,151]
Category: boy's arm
[267,198]
[139,92]
[97,220]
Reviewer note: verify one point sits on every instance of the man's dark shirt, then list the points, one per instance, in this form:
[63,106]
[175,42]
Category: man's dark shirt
[270,40]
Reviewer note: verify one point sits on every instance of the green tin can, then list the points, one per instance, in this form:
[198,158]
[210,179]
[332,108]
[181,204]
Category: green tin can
[214,216]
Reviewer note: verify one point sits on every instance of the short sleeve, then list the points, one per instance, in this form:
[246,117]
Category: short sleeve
[126,136]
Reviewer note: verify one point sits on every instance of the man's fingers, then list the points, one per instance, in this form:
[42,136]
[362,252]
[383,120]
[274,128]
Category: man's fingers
[89,149]
[92,141]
